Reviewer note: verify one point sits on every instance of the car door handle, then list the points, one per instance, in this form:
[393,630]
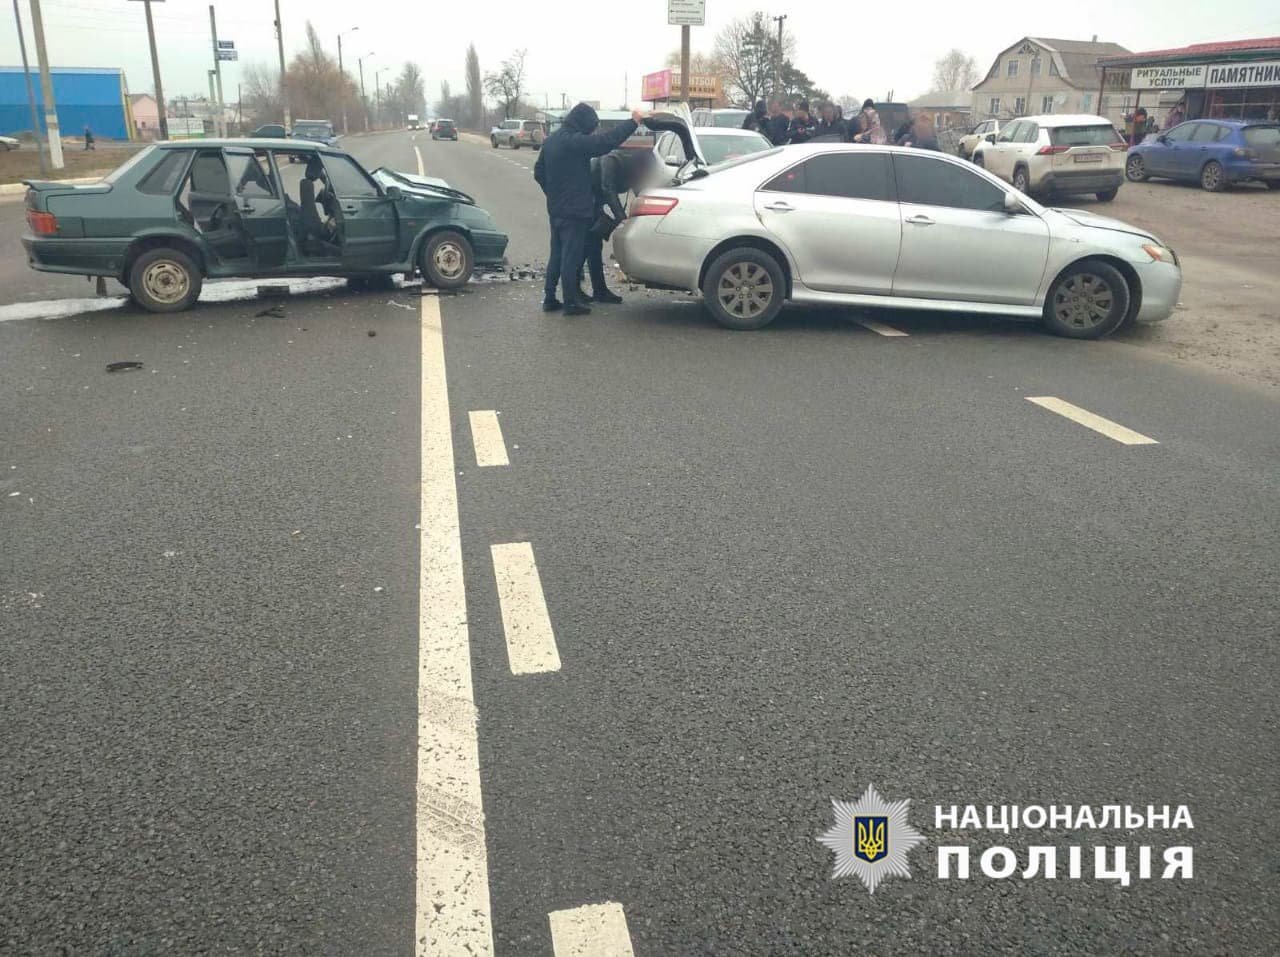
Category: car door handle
[920,220]
[351,209]
[780,207]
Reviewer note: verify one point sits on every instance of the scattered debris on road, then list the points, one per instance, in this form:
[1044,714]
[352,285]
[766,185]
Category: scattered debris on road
[271,312]
[123,366]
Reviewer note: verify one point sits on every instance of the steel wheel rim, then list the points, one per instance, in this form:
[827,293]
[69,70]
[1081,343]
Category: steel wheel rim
[1020,181]
[1083,301]
[449,260]
[745,290]
[166,281]
[1212,175]
[1135,167]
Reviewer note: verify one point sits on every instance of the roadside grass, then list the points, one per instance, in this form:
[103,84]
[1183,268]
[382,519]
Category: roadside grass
[24,163]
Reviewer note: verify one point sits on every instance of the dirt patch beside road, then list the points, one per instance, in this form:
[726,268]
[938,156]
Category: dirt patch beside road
[20,164]
[1229,315]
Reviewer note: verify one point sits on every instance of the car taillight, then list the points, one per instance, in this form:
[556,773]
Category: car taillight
[1244,153]
[1051,150]
[1119,147]
[43,224]
[652,205]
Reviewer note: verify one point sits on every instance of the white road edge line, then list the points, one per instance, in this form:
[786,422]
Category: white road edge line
[422,170]
[1112,430]
[880,327]
[452,912]
[486,437]
[596,930]
[531,644]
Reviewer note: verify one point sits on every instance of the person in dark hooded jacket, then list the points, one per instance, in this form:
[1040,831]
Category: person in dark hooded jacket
[563,170]
[803,126]
[757,118]
[830,124]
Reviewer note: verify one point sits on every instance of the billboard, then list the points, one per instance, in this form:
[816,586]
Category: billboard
[656,86]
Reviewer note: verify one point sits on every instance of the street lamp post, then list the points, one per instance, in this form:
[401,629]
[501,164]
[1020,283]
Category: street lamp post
[31,93]
[364,100]
[284,87]
[343,72]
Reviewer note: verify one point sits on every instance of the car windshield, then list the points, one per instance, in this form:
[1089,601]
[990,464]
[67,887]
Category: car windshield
[718,149]
[128,164]
[1095,134]
[444,123]
[1262,135]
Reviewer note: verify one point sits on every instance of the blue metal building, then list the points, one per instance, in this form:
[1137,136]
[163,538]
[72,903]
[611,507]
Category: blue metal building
[93,96]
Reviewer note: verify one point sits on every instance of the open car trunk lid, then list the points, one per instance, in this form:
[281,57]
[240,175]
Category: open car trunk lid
[677,119]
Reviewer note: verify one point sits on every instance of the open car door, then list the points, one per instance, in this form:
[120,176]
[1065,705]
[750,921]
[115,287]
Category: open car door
[258,205]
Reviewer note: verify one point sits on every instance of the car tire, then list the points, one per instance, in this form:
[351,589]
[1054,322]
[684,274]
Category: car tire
[744,289]
[1087,301]
[1212,177]
[165,280]
[1024,187]
[977,160]
[447,260]
[1135,169]
[1107,195]
[493,141]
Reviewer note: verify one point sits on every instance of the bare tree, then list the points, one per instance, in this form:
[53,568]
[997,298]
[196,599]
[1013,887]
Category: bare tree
[748,53]
[260,95]
[955,70]
[407,94]
[316,87]
[507,84]
[475,89]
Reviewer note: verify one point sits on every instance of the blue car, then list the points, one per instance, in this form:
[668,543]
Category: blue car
[317,131]
[1214,153]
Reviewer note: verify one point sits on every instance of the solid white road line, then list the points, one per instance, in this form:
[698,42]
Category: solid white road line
[452,905]
[880,327]
[596,930]
[531,644]
[422,170]
[486,436]
[1111,430]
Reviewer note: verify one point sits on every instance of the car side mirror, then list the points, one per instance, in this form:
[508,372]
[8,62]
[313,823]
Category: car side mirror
[393,192]
[1162,139]
[1012,204]
[990,137]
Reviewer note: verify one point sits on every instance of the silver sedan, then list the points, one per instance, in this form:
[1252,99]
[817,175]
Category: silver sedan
[836,224]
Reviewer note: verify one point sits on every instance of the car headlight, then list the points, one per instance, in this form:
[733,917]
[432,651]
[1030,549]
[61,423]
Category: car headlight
[1160,254]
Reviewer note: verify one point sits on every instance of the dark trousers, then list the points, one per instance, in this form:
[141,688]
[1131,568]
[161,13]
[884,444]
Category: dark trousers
[564,264]
[595,263]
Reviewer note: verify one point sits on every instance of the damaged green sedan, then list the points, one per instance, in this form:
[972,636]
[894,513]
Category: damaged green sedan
[178,213]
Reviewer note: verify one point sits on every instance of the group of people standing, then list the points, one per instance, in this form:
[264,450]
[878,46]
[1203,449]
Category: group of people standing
[830,125]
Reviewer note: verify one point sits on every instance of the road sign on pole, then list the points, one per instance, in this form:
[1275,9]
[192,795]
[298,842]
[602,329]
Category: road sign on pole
[686,13]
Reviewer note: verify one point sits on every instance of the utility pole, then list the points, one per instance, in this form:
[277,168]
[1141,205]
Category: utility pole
[46,89]
[211,103]
[284,87]
[155,72]
[31,91]
[377,94]
[364,100]
[220,122]
[343,72]
[777,67]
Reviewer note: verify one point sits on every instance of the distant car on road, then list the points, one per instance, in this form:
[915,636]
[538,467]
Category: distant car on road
[414,122]
[885,226]
[317,131]
[1213,153]
[444,130]
[9,143]
[271,131]
[984,132]
[728,119]
[1057,153]
[179,212]
[517,133]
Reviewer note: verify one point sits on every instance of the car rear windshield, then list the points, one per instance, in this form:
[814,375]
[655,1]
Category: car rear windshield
[444,124]
[1261,136]
[1095,134]
[314,129]
[717,149]
[731,119]
[128,164]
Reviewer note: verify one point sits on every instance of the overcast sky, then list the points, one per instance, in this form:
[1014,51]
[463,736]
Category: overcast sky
[589,49]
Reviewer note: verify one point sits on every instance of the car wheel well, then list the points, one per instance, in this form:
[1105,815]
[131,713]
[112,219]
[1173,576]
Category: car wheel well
[1125,269]
[180,243]
[754,242]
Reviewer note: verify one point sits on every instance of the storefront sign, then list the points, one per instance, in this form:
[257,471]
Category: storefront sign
[702,86]
[686,13]
[656,86]
[1168,77]
[1244,74]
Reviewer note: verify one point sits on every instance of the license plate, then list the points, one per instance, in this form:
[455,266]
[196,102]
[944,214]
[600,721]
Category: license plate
[1089,158]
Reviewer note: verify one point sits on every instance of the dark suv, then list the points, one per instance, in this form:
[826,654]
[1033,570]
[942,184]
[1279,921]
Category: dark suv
[444,130]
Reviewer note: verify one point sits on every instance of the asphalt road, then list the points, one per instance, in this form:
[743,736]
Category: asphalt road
[778,567]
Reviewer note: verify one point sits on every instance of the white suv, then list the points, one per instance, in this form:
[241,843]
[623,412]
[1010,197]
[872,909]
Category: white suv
[517,133]
[1040,155]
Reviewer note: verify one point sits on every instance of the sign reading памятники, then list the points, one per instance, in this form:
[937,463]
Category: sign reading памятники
[1168,77]
[1244,74]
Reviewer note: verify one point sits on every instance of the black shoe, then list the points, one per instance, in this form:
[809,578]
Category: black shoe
[584,296]
[552,305]
[576,309]
[607,297]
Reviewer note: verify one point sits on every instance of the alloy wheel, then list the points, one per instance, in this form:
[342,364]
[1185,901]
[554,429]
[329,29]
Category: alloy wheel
[745,290]
[1211,178]
[166,281]
[1083,301]
[1136,169]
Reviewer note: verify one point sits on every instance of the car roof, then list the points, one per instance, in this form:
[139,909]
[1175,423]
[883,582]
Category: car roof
[255,142]
[723,131]
[1066,119]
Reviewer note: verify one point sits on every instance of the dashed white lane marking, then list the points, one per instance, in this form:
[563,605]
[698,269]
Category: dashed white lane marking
[452,897]
[531,644]
[1112,430]
[880,327]
[596,930]
[422,170]
[486,436]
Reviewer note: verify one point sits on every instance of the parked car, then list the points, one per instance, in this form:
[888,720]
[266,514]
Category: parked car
[179,212]
[885,226]
[1214,153]
[986,131]
[728,118]
[9,143]
[444,129]
[317,131]
[271,131]
[517,133]
[715,145]
[1067,153]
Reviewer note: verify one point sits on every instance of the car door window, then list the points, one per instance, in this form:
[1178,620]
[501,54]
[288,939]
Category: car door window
[164,179]
[251,174]
[1008,133]
[1183,133]
[348,180]
[861,175]
[1205,133]
[1027,133]
[929,181]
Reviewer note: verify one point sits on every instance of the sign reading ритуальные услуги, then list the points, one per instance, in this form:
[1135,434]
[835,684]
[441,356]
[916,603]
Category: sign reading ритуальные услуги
[872,838]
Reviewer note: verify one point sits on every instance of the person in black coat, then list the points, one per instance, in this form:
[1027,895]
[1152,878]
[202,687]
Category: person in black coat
[830,124]
[803,126]
[777,126]
[563,170]
[757,118]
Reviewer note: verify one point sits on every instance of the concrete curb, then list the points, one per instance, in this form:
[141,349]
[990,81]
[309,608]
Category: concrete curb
[17,189]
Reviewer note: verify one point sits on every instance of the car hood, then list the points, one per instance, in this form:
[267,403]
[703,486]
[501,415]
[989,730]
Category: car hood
[678,120]
[429,187]
[1082,217]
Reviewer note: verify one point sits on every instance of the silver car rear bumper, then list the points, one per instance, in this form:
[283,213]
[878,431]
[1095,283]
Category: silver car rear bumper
[662,260]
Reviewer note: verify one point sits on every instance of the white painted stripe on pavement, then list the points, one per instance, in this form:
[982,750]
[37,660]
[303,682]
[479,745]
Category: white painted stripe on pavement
[422,170]
[596,930]
[486,436]
[1111,430]
[880,327]
[452,901]
[531,644]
